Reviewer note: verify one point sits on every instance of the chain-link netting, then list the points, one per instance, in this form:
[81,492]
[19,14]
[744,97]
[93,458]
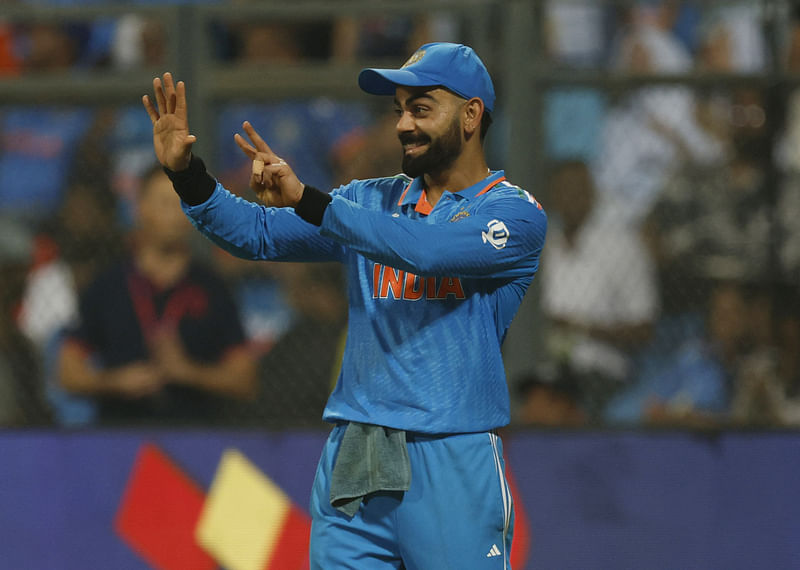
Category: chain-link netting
[668,287]
[665,151]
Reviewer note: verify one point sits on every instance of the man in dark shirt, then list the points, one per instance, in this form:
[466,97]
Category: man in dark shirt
[159,337]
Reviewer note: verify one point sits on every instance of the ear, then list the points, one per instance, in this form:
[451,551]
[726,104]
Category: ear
[473,113]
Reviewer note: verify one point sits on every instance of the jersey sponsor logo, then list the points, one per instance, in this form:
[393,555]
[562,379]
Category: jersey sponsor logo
[497,234]
[391,283]
[493,551]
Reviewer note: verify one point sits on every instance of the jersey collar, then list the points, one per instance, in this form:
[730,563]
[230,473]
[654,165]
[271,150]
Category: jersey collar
[415,191]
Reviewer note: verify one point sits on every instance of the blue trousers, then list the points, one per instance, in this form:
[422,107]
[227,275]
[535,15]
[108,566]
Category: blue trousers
[457,514]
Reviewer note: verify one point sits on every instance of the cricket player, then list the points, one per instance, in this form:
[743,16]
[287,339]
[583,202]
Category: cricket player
[438,259]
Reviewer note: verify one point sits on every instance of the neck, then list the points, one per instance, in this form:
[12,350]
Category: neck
[467,170]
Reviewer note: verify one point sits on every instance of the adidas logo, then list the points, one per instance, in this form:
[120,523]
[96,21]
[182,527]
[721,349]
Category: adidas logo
[493,551]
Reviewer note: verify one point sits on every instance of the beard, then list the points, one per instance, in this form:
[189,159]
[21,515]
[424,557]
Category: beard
[442,151]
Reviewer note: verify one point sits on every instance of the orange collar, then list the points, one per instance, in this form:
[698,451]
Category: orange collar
[424,207]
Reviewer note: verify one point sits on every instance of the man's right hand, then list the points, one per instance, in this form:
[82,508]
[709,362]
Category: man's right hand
[171,138]
[273,181]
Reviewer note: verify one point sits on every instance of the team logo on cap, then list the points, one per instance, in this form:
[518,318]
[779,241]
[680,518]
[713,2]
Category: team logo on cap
[415,57]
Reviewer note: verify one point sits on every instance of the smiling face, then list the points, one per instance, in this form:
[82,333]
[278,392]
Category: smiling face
[429,128]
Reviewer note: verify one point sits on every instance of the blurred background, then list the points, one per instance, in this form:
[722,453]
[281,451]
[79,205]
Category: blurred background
[662,138]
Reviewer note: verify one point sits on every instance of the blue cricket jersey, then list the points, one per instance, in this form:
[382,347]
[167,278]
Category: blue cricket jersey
[432,291]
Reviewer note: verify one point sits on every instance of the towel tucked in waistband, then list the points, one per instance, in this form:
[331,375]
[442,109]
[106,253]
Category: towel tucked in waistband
[371,458]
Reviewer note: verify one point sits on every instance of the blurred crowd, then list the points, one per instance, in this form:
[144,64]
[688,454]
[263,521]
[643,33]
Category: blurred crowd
[669,278]
[668,286]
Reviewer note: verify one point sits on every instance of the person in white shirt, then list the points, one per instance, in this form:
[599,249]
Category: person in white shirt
[599,290]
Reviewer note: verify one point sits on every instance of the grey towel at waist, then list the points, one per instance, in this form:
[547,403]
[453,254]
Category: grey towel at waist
[371,458]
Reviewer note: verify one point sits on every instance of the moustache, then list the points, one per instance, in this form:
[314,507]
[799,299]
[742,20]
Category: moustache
[407,138]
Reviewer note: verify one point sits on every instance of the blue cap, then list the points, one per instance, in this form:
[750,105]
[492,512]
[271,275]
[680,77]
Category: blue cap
[454,66]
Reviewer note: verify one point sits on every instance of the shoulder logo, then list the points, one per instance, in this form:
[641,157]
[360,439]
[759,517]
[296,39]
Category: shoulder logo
[415,57]
[497,234]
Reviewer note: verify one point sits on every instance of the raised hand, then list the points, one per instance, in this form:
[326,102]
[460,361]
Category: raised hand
[171,138]
[273,181]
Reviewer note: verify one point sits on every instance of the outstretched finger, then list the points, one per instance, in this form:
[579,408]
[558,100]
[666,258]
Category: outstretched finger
[169,91]
[256,138]
[151,110]
[246,147]
[180,100]
[159,92]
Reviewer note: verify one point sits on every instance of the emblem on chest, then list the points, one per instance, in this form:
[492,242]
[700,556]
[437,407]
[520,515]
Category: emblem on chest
[390,283]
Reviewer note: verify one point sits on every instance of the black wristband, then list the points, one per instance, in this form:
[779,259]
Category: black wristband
[312,204]
[194,184]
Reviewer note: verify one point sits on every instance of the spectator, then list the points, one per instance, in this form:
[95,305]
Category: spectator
[731,39]
[549,400]
[337,127]
[37,156]
[84,239]
[713,222]
[788,159]
[695,386]
[789,148]
[575,32]
[53,47]
[651,132]
[298,374]
[159,339]
[767,386]
[379,36]
[38,148]
[599,291]
[21,401]
[138,41]
[268,42]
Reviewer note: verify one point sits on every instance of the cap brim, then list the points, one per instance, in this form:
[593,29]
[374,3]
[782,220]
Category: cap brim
[385,81]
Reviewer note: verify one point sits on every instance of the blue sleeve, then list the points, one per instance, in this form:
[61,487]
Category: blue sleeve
[252,231]
[503,239]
